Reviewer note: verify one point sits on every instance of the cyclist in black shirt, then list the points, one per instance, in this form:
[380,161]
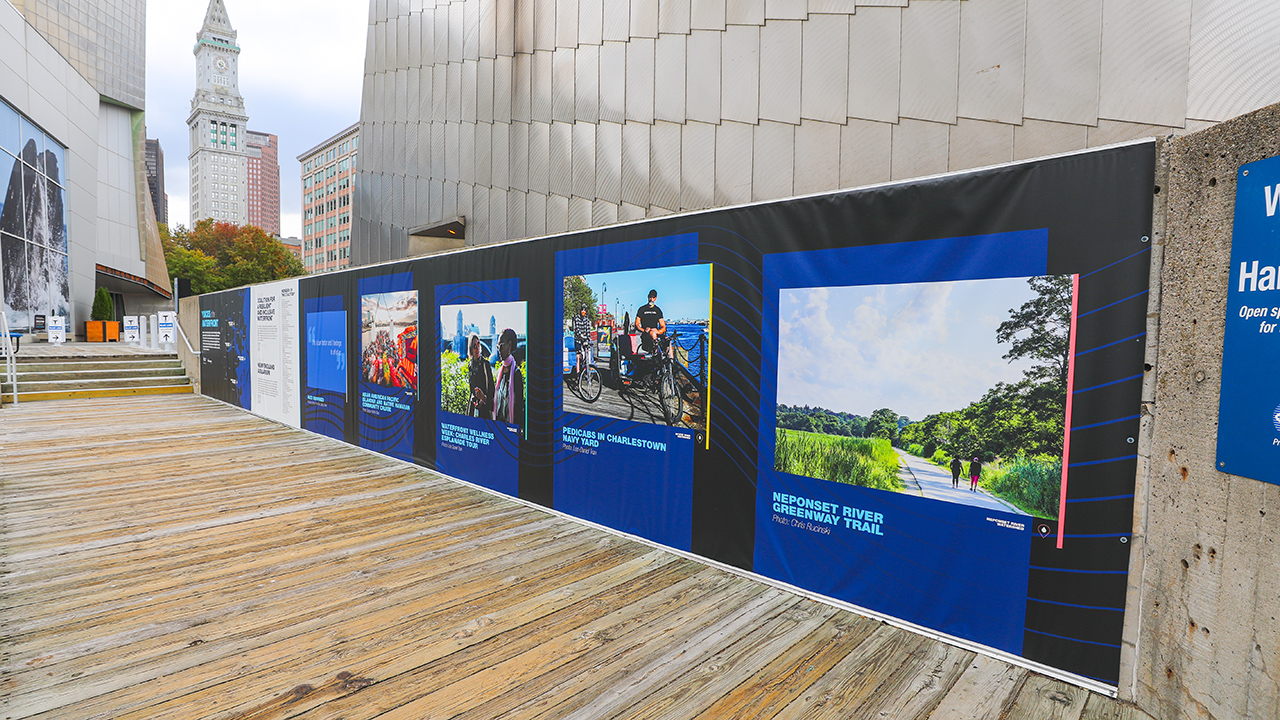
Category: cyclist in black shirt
[581,335]
[650,323]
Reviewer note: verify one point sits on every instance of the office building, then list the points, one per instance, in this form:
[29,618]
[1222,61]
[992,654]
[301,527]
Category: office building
[328,173]
[219,158]
[263,180]
[75,210]
[568,114]
[155,181]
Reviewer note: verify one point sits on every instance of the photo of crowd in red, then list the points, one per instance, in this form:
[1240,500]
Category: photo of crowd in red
[389,339]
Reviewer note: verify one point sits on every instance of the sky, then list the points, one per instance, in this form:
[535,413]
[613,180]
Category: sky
[301,71]
[684,291]
[507,314]
[917,349]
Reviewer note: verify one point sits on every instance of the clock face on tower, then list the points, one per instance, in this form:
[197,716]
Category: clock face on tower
[221,64]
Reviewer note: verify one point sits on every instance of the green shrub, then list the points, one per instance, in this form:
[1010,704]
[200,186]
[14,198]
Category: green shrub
[867,462]
[455,389]
[103,308]
[1030,483]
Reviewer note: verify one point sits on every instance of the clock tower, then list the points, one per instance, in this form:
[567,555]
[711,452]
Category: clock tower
[217,124]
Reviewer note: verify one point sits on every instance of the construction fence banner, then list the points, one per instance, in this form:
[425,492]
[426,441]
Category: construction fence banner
[919,398]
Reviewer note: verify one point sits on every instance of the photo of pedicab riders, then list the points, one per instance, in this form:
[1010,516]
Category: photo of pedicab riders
[482,360]
[389,339]
[954,391]
[636,345]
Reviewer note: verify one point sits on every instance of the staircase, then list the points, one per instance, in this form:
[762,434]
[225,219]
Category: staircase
[61,378]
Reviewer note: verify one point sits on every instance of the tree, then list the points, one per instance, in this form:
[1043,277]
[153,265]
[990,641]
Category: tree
[577,293]
[216,255]
[103,307]
[883,424]
[1041,329]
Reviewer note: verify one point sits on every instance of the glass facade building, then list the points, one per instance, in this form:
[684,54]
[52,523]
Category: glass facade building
[104,41]
[33,227]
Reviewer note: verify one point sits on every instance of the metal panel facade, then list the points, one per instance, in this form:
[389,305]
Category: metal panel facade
[651,106]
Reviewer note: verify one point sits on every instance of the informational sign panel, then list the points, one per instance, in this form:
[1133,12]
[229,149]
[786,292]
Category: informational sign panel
[1249,405]
[167,327]
[57,328]
[131,334]
[273,337]
[918,398]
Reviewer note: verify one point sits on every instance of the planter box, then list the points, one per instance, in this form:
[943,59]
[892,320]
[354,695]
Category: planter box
[101,330]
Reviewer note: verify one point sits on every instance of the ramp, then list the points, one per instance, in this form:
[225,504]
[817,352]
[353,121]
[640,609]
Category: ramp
[172,557]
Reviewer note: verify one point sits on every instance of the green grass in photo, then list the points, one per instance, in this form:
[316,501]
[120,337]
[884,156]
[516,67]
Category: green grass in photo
[866,462]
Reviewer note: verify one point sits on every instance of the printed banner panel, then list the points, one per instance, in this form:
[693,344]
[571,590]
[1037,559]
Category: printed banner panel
[274,338]
[482,338]
[917,398]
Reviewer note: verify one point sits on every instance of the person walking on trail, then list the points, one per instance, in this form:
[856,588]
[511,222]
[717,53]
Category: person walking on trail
[957,467]
[975,472]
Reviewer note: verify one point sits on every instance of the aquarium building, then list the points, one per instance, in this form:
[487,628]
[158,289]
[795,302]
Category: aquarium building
[76,211]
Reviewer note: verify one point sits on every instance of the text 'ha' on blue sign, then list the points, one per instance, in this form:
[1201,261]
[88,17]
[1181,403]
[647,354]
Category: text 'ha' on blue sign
[1249,407]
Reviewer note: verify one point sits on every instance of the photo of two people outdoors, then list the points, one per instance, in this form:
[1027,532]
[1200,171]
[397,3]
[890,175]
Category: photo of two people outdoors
[954,391]
[482,360]
[636,345]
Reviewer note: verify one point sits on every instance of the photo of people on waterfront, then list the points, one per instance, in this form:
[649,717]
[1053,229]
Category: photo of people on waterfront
[954,391]
[636,345]
[482,360]
[389,339]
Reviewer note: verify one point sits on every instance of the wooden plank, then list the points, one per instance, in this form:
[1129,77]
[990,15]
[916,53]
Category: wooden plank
[794,669]
[1099,707]
[251,570]
[984,692]
[1042,698]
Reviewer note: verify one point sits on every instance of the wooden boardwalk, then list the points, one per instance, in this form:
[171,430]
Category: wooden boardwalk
[171,557]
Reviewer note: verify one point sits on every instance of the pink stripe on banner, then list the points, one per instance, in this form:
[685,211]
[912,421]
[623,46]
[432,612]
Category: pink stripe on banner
[1066,424]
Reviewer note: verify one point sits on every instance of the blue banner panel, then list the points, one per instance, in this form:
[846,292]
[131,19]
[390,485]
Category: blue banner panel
[485,452]
[623,465]
[325,330]
[388,364]
[637,478]
[962,571]
[472,443]
[1249,406]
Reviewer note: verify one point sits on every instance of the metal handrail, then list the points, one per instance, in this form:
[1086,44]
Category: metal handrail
[10,360]
[183,333]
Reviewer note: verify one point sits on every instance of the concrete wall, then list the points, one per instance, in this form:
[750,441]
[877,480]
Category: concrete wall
[189,322]
[1202,638]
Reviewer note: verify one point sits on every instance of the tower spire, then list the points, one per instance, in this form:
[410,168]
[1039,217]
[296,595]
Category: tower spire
[217,22]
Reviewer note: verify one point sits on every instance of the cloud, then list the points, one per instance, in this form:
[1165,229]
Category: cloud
[301,73]
[918,349]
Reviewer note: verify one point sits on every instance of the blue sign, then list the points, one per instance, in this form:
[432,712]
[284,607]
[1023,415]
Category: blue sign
[1249,406]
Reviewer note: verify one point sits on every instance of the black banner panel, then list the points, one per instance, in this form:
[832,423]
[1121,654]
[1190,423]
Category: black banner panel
[921,399]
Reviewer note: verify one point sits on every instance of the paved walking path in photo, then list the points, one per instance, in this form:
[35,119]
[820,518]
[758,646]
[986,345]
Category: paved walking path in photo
[935,484]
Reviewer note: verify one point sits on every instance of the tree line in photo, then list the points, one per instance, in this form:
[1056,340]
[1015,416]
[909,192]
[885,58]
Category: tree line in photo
[1015,429]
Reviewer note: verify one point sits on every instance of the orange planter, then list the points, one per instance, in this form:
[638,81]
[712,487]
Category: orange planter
[101,330]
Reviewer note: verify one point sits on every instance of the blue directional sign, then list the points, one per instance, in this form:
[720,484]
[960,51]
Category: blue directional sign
[1249,407]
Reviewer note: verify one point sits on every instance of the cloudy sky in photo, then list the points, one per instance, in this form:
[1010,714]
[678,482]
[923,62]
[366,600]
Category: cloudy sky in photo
[301,71]
[918,349]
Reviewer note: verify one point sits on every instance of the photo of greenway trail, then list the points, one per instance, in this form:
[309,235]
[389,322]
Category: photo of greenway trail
[389,339]
[650,358]
[922,388]
[482,360]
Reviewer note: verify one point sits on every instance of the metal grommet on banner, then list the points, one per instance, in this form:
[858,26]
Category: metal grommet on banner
[1146,238]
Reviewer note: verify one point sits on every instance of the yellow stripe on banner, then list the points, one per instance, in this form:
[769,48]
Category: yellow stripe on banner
[706,401]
